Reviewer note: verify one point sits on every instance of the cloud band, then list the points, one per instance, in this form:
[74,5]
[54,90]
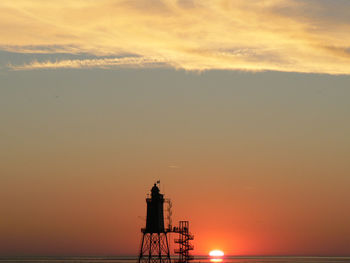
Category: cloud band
[255,35]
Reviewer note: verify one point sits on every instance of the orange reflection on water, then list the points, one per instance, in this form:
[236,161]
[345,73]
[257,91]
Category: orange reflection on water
[216,260]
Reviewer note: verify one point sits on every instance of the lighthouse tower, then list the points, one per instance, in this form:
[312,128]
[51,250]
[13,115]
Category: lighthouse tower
[154,244]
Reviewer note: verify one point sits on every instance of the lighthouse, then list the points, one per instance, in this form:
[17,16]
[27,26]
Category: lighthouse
[155,237]
[154,244]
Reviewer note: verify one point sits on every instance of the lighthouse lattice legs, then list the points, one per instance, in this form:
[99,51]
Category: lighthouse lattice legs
[154,248]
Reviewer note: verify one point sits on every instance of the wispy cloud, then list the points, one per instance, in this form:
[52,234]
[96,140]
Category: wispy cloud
[173,167]
[41,49]
[92,63]
[283,35]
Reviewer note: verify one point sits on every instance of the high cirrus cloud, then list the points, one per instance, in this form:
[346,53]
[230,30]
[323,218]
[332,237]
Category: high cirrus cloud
[255,35]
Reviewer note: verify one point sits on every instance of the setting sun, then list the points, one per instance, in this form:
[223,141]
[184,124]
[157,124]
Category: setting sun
[216,253]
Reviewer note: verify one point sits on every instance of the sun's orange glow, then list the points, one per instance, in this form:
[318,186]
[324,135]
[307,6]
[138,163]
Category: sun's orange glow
[216,260]
[216,253]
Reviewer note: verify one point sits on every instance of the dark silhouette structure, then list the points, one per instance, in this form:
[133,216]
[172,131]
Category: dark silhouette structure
[155,241]
[184,242]
[154,244]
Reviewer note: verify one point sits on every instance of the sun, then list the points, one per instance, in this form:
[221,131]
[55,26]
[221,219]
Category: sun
[216,253]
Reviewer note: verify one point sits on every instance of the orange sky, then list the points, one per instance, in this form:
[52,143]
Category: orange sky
[255,170]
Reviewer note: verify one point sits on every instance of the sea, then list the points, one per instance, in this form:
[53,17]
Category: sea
[196,260]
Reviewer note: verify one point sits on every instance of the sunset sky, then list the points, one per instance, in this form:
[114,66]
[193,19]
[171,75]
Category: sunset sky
[240,107]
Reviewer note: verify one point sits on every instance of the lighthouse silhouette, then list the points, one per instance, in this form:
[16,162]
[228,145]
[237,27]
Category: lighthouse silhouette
[155,241]
[154,244]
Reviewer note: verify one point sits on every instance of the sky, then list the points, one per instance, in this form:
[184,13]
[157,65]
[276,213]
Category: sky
[240,108]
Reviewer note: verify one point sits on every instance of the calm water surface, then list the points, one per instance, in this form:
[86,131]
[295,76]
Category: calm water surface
[197,260]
